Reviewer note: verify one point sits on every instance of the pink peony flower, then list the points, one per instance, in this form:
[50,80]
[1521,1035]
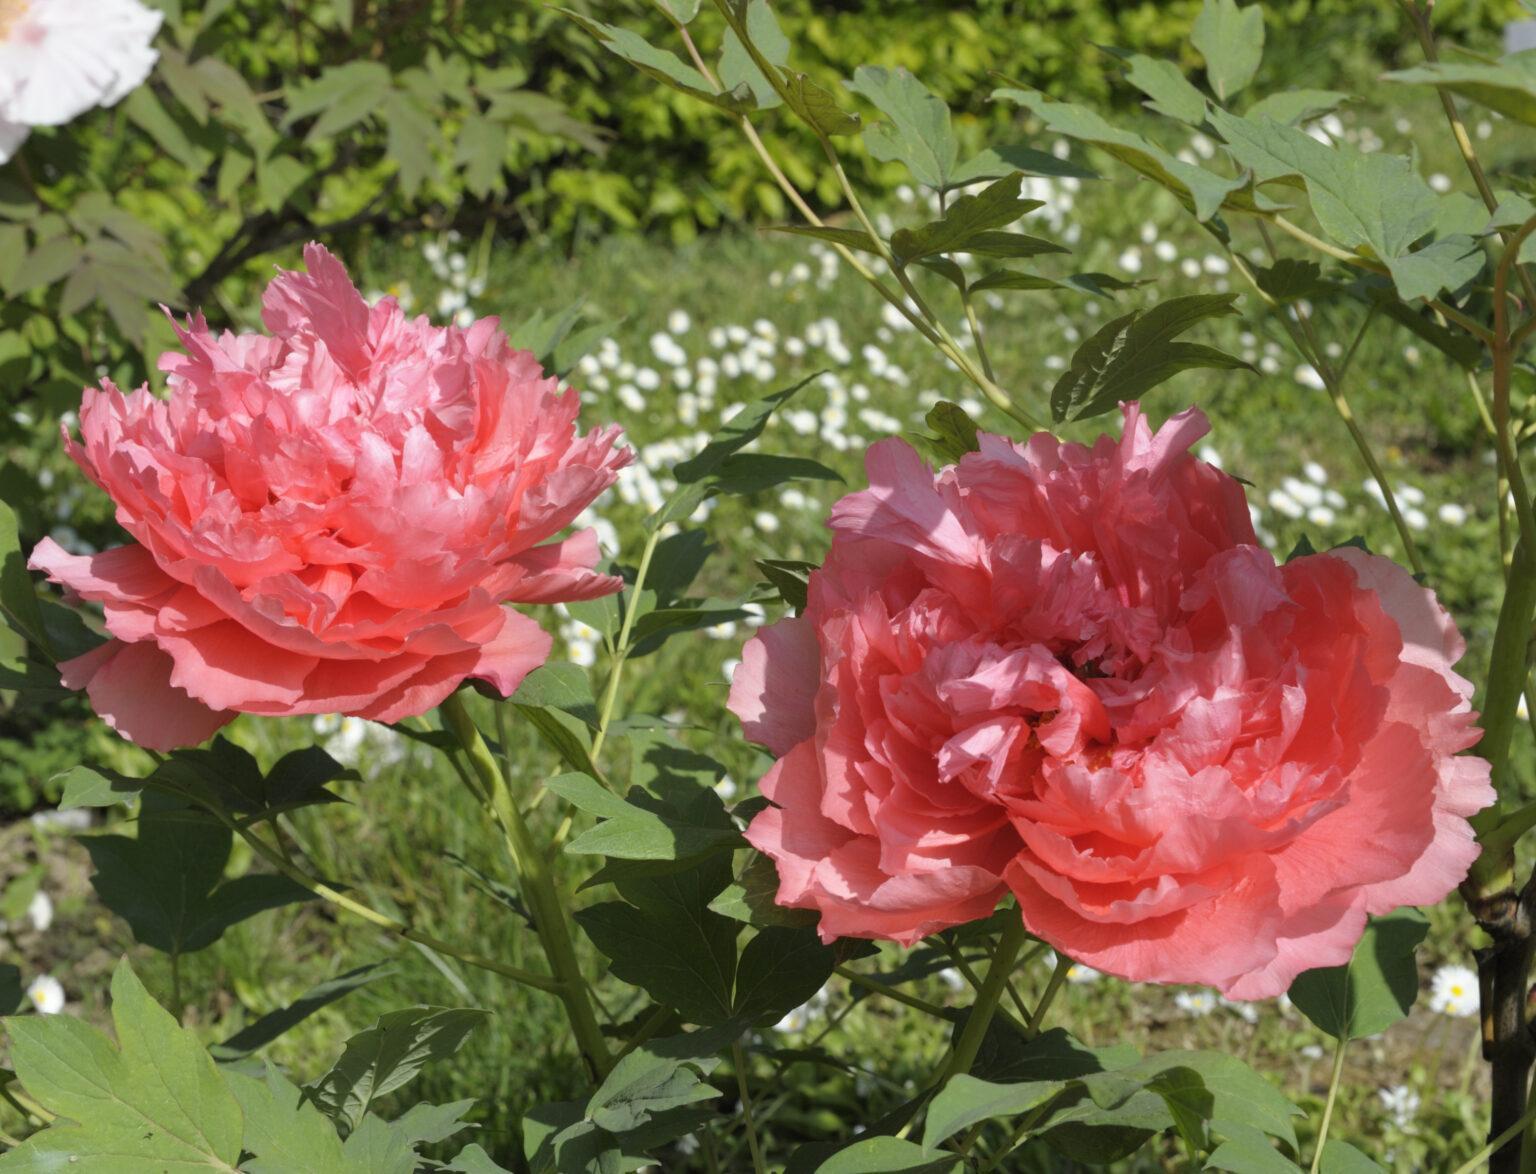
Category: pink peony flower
[330,519]
[1073,673]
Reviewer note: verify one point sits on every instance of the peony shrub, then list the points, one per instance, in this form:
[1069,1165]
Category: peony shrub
[1045,695]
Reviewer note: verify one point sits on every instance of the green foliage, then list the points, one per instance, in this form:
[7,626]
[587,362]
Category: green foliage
[168,883]
[1375,988]
[1135,352]
[156,1099]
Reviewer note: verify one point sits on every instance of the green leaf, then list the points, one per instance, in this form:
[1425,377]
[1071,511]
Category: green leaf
[1103,285]
[1290,280]
[952,433]
[166,884]
[472,1159]
[273,1024]
[852,238]
[481,151]
[888,1155]
[817,106]
[658,1077]
[1168,91]
[1203,191]
[665,67]
[1375,988]
[152,1102]
[1295,107]
[1248,1151]
[18,598]
[681,11]
[752,897]
[1339,1157]
[342,96]
[11,991]
[387,1055]
[565,687]
[146,112]
[1202,1089]
[646,827]
[1231,39]
[1462,349]
[1372,200]
[666,940]
[737,67]
[969,217]
[791,578]
[1445,264]
[965,1101]
[1508,85]
[780,969]
[1135,352]
[918,134]
[286,1133]
[410,132]
[710,471]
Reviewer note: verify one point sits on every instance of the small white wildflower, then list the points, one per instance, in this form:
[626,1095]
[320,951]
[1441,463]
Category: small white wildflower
[1307,376]
[46,994]
[678,322]
[1401,1102]
[40,911]
[1452,514]
[1454,991]
[1197,1003]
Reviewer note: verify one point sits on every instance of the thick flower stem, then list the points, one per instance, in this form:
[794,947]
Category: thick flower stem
[538,886]
[985,1007]
[1504,975]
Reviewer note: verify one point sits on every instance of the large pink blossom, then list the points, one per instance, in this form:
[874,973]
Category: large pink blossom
[1074,674]
[329,519]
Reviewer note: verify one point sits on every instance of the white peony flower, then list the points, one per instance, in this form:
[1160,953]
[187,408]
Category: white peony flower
[60,58]
[46,994]
[1454,991]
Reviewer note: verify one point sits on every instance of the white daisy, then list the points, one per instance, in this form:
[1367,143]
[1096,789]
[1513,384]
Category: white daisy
[1196,1003]
[40,911]
[1401,1103]
[1454,991]
[60,58]
[46,994]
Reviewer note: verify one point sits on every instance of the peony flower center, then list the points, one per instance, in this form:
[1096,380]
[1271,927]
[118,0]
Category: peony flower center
[12,13]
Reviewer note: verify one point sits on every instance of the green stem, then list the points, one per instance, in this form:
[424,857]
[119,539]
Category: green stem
[981,345]
[1304,338]
[368,913]
[538,885]
[740,1058]
[1052,989]
[178,1007]
[876,987]
[985,1007]
[1479,1159]
[1333,1095]
[25,1105]
[621,649]
[1507,670]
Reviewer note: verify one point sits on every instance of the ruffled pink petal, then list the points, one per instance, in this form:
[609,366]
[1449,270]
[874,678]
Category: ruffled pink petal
[130,688]
[773,690]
